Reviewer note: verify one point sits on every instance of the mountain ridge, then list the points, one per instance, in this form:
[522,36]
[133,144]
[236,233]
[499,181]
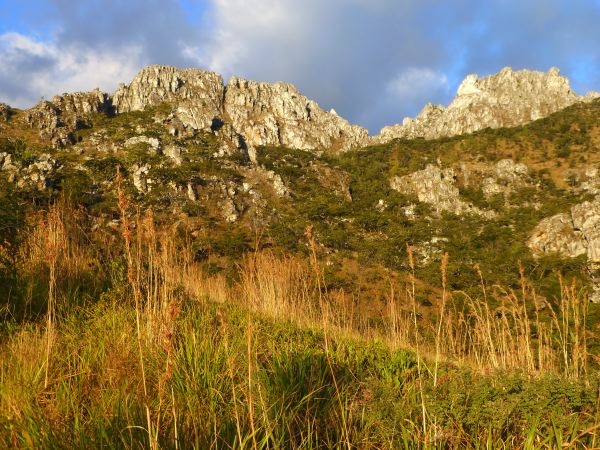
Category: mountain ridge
[507,98]
[245,114]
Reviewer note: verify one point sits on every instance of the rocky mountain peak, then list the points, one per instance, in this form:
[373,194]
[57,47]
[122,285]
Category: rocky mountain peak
[157,84]
[505,99]
[259,113]
[197,94]
[278,114]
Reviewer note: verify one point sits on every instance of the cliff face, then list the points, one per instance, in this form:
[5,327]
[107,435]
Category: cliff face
[259,113]
[570,234]
[506,99]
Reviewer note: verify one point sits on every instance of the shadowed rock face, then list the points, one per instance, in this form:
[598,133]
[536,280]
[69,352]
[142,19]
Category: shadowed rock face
[260,113]
[506,99]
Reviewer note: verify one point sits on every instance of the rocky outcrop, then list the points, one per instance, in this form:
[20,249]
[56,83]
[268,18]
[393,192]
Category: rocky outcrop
[243,113]
[81,104]
[436,187]
[151,142]
[196,94]
[570,234]
[277,114]
[59,118]
[38,172]
[141,179]
[504,178]
[506,99]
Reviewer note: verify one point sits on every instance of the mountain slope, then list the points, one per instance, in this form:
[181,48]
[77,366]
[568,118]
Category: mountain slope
[180,138]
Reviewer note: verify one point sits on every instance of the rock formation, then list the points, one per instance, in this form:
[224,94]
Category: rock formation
[196,94]
[37,172]
[504,178]
[436,187]
[570,234]
[249,112]
[59,118]
[277,114]
[508,98]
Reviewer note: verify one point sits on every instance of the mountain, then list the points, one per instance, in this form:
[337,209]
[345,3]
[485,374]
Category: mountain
[245,154]
[189,260]
[244,114]
[505,99]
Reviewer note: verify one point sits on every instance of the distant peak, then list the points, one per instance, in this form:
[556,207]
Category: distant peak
[507,98]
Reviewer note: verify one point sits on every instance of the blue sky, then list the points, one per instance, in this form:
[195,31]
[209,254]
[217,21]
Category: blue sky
[374,61]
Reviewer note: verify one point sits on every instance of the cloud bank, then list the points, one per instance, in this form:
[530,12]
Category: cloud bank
[374,61]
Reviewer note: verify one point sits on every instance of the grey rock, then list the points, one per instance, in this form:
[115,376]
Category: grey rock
[191,191]
[152,142]
[510,170]
[59,118]
[570,234]
[36,174]
[141,181]
[197,95]
[174,153]
[505,177]
[244,114]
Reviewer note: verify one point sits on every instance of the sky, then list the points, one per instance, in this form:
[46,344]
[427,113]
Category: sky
[373,61]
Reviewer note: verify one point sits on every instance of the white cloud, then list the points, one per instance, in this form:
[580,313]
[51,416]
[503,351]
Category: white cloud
[32,69]
[416,83]
[241,25]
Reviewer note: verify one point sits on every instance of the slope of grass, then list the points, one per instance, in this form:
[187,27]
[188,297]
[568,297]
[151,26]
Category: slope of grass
[154,353]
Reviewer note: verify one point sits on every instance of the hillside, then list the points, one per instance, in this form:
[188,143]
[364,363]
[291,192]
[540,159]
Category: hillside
[183,207]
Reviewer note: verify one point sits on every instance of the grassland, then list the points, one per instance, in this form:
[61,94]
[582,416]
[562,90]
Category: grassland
[123,341]
[145,321]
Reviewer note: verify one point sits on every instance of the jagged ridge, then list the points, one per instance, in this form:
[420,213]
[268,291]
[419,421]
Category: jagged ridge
[506,99]
[246,114]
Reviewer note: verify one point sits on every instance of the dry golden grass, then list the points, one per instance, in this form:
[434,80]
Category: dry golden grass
[525,331]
